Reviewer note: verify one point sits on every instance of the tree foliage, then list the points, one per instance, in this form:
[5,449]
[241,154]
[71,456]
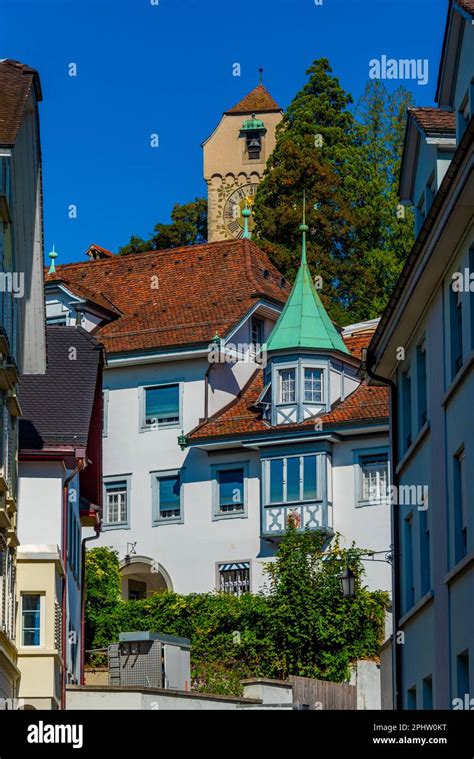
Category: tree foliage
[300,625]
[348,168]
[188,227]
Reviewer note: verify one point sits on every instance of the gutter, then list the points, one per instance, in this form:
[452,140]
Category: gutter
[97,528]
[368,360]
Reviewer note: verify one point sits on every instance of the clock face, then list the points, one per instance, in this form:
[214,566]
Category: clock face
[234,205]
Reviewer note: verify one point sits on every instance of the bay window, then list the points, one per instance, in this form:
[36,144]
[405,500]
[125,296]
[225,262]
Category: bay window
[292,479]
[313,385]
[287,385]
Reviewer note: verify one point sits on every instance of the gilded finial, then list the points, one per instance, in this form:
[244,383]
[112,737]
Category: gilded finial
[246,213]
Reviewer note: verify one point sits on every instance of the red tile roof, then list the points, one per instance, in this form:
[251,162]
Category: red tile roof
[16,81]
[178,297]
[434,120]
[240,417]
[257,101]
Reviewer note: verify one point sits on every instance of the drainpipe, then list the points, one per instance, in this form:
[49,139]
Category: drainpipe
[97,528]
[69,478]
[369,361]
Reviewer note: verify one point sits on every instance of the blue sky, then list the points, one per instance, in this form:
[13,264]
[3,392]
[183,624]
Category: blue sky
[167,69]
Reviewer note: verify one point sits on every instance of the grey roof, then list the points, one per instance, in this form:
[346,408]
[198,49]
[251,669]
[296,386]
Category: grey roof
[57,406]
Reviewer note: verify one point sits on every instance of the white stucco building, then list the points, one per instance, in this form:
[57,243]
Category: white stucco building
[206,511]
[424,347]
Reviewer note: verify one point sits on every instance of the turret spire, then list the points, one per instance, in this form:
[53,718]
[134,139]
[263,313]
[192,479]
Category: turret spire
[52,255]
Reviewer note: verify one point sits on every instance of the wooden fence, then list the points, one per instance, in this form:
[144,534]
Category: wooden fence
[321,694]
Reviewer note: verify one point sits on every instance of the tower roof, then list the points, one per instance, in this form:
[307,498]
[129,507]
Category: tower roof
[304,323]
[257,101]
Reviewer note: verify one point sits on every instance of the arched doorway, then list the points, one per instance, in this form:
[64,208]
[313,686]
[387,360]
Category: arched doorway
[142,577]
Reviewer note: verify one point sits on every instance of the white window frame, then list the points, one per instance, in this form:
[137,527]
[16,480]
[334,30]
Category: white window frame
[143,427]
[156,476]
[304,368]
[110,480]
[360,455]
[294,370]
[42,597]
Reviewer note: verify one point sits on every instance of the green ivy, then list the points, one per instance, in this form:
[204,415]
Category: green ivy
[301,624]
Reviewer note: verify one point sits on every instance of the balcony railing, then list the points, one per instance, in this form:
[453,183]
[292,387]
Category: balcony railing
[314,516]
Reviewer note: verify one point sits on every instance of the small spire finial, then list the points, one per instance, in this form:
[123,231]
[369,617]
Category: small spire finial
[303,229]
[260,71]
[246,213]
[52,255]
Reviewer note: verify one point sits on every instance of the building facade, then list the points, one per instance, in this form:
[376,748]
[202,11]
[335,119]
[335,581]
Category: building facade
[22,317]
[207,453]
[424,347]
[60,475]
[235,156]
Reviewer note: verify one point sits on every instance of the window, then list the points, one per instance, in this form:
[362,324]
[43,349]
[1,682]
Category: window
[229,490]
[408,563]
[462,674]
[373,479]
[256,332]
[161,406]
[425,551]
[136,590]
[234,578]
[167,493]
[428,692]
[406,410]
[421,384]
[287,385]
[117,501]
[60,320]
[411,698]
[455,311]
[313,385]
[460,507]
[292,479]
[31,619]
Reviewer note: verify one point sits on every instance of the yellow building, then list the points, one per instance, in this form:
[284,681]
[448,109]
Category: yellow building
[235,156]
[40,575]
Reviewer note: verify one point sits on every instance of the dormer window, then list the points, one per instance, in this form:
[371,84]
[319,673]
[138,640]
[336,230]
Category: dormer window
[313,385]
[287,386]
[298,390]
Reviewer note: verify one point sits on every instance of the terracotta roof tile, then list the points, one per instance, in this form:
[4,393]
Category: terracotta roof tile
[240,417]
[16,81]
[178,297]
[434,120]
[257,101]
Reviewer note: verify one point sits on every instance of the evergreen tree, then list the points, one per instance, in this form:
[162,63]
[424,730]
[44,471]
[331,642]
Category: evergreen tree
[188,227]
[349,170]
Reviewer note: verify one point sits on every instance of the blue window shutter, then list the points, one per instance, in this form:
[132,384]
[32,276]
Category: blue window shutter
[231,487]
[169,490]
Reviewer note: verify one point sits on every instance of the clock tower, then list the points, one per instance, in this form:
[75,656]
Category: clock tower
[235,156]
